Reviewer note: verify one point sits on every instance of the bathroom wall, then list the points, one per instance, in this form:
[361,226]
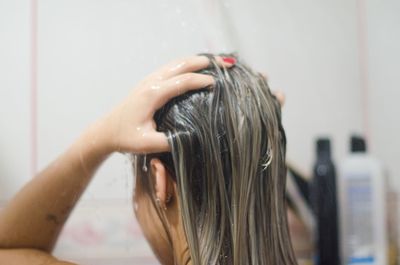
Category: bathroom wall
[381,82]
[15,101]
[383,93]
[63,64]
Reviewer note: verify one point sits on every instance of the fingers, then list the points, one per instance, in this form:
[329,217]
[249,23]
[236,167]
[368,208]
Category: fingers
[264,75]
[181,84]
[280,96]
[155,142]
[190,64]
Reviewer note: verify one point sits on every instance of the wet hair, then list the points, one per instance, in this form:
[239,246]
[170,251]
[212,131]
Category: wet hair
[228,160]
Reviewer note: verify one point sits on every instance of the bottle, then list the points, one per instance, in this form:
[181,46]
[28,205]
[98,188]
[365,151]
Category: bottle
[324,204]
[362,208]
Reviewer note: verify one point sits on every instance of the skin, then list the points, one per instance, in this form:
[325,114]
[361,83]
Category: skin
[32,220]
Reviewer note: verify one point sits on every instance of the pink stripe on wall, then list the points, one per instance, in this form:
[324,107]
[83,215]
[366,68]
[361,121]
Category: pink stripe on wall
[33,85]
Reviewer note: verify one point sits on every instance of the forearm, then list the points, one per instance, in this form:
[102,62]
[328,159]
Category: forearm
[35,216]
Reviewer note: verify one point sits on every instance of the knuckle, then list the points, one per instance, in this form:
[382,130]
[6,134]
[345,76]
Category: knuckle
[152,88]
[189,76]
[189,79]
[185,65]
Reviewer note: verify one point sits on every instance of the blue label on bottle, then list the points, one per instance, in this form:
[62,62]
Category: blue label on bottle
[361,260]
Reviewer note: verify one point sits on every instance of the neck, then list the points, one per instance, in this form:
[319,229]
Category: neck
[178,237]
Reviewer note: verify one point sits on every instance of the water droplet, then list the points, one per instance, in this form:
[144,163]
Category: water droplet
[144,164]
[176,67]
[155,87]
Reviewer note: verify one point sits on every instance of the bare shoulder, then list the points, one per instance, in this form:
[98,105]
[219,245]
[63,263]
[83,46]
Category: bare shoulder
[29,257]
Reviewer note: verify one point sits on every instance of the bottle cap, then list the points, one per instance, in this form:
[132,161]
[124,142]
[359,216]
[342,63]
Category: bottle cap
[323,147]
[358,144]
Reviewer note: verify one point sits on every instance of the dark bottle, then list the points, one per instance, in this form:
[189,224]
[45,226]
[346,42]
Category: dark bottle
[323,198]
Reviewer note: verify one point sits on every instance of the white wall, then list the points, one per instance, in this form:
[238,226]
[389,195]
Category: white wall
[15,159]
[91,53]
[383,90]
[383,54]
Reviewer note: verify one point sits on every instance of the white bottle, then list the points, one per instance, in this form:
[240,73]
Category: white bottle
[362,208]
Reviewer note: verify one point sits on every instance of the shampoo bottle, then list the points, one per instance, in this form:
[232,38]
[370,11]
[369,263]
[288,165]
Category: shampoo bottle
[362,208]
[324,204]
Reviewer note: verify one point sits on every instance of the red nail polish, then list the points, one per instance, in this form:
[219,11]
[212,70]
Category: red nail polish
[229,60]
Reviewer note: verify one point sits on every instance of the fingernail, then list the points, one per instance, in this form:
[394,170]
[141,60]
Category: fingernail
[229,60]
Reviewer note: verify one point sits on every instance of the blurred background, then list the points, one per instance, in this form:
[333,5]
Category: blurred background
[65,63]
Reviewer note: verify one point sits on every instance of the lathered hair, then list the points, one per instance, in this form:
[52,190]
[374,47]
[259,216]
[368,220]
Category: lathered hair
[228,160]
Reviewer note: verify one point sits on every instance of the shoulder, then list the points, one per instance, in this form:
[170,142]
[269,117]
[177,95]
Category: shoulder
[29,257]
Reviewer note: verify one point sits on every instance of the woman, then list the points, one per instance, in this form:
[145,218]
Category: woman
[209,166]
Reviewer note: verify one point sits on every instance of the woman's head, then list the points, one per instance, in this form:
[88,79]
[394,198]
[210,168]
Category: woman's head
[221,189]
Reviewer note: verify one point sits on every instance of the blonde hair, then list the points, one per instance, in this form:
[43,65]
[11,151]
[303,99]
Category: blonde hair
[228,160]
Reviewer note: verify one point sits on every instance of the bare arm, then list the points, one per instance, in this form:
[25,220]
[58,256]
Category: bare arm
[34,218]
[29,257]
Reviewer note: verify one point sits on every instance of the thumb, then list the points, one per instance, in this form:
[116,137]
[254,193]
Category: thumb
[155,142]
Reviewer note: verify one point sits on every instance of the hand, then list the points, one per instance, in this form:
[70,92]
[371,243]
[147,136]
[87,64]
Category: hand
[130,127]
[280,96]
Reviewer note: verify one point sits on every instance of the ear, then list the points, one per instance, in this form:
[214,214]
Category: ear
[161,180]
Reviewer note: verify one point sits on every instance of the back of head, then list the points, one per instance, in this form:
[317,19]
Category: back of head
[228,160]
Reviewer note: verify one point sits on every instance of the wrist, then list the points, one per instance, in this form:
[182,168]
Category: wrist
[98,138]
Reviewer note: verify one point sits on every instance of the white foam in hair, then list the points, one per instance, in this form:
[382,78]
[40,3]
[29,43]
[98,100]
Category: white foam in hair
[228,159]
